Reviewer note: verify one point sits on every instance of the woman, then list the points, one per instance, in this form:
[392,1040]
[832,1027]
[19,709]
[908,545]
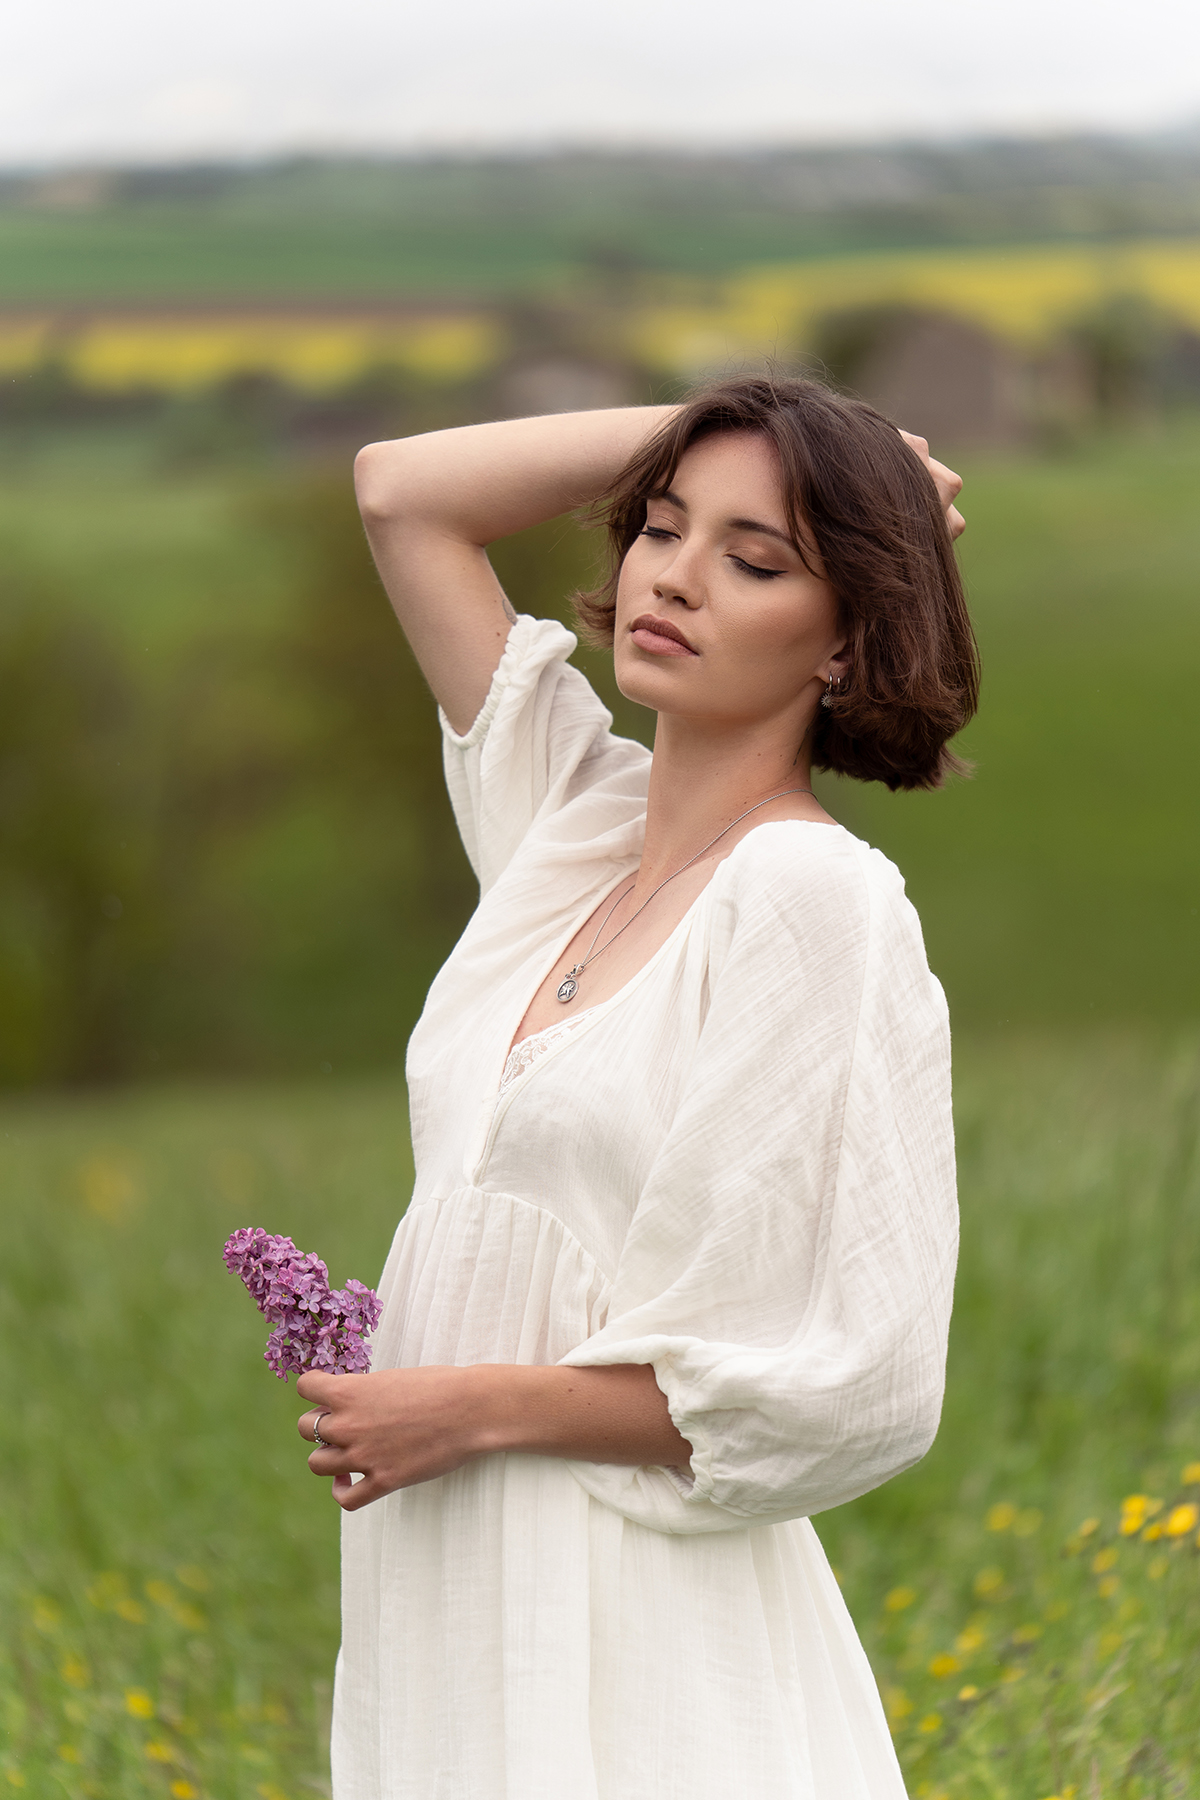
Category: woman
[677,1269]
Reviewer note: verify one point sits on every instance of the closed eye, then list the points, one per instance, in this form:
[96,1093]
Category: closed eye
[658,532]
[759,573]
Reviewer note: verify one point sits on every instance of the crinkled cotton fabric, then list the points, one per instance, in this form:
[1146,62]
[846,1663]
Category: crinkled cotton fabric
[739,1169]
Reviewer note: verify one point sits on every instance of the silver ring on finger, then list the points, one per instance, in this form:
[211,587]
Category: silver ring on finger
[318,1440]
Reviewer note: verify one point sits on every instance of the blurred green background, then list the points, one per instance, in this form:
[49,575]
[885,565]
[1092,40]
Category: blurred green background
[229,871]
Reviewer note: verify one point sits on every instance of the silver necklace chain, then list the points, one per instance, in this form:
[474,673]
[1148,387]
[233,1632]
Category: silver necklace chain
[569,986]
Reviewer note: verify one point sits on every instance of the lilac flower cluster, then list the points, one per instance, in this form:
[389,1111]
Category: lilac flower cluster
[316,1327]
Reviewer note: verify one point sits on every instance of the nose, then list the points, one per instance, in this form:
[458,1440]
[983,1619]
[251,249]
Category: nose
[680,580]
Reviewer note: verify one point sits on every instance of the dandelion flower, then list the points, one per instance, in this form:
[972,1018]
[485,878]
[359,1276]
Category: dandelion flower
[1191,1475]
[1104,1559]
[75,1671]
[1027,1634]
[970,1640]
[930,1723]
[968,1693]
[183,1790]
[1180,1520]
[1107,1587]
[1000,1516]
[138,1703]
[157,1751]
[1088,1527]
[70,1753]
[899,1598]
[988,1583]
[943,1665]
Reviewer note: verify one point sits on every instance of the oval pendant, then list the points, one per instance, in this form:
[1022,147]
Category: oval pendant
[568,989]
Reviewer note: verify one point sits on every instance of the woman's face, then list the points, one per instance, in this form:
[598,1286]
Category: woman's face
[717,618]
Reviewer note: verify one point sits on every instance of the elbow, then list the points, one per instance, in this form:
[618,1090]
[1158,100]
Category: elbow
[373,484]
[383,483]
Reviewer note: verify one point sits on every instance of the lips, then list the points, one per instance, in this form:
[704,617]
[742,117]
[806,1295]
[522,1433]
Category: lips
[660,637]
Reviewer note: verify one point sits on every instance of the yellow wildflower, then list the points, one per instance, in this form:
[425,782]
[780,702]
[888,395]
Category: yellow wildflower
[132,1610]
[1135,1510]
[970,1640]
[897,1702]
[899,1598]
[138,1703]
[988,1583]
[1013,1673]
[1110,1641]
[1088,1527]
[930,1723]
[1027,1634]
[106,1590]
[161,1592]
[183,1790]
[1180,1520]
[158,1751]
[944,1664]
[1191,1474]
[189,1616]
[1000,1516]
[1107,1587]
[70,1753]
[14,1777]
[1153,1532]
[266,1790]
[968,1693]
[1104,1559]
[75,1671]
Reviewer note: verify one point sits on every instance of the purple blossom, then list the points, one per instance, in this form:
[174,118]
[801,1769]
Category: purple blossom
[316,1327]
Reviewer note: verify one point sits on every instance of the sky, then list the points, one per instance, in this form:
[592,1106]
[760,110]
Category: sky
[137,80]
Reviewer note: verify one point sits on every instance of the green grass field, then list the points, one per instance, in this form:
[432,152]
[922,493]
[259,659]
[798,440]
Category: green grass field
[169,1571]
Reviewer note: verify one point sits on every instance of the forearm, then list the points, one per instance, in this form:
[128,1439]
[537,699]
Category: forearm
[613,1415]
[477,483]
[399,1427]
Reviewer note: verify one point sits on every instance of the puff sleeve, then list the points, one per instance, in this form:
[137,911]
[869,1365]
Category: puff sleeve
[789,1268]
[541,739]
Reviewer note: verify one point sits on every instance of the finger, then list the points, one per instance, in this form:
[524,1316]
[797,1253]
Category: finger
[351,1495]
[331,1461]
[308,1423]
[919,444]
[317,1386]
[947,482]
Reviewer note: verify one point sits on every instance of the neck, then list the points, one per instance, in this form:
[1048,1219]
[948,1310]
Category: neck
[703,776]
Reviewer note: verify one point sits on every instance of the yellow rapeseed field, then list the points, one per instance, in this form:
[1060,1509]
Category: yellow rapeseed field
[1023,294]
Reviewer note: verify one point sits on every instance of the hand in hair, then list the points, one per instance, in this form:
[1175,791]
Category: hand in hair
[947,483]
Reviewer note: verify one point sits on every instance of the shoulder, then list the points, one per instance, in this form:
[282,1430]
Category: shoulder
[805,883]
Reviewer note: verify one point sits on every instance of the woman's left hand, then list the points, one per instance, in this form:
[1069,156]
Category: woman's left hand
[947,483]
[393,1428]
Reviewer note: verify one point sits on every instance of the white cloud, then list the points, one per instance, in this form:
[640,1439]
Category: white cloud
[139,79]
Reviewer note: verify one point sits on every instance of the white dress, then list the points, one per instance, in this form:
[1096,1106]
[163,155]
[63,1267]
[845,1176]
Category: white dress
[738,1169]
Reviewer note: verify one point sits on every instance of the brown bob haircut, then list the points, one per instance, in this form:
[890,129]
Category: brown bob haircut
[857,491]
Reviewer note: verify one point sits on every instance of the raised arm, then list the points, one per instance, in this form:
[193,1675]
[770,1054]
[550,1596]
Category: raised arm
[432,504]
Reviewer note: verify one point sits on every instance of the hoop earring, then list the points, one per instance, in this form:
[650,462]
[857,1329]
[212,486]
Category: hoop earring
[830,690]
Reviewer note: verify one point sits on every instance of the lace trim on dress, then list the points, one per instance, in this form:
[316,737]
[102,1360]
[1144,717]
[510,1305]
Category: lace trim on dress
[522,1056]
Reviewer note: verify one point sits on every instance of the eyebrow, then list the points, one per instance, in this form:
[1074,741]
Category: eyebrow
[737,524]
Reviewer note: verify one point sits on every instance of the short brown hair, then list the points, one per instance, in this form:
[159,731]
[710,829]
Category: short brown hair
[878,523]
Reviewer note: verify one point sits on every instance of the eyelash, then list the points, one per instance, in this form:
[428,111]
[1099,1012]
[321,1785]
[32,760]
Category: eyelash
[659,534]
